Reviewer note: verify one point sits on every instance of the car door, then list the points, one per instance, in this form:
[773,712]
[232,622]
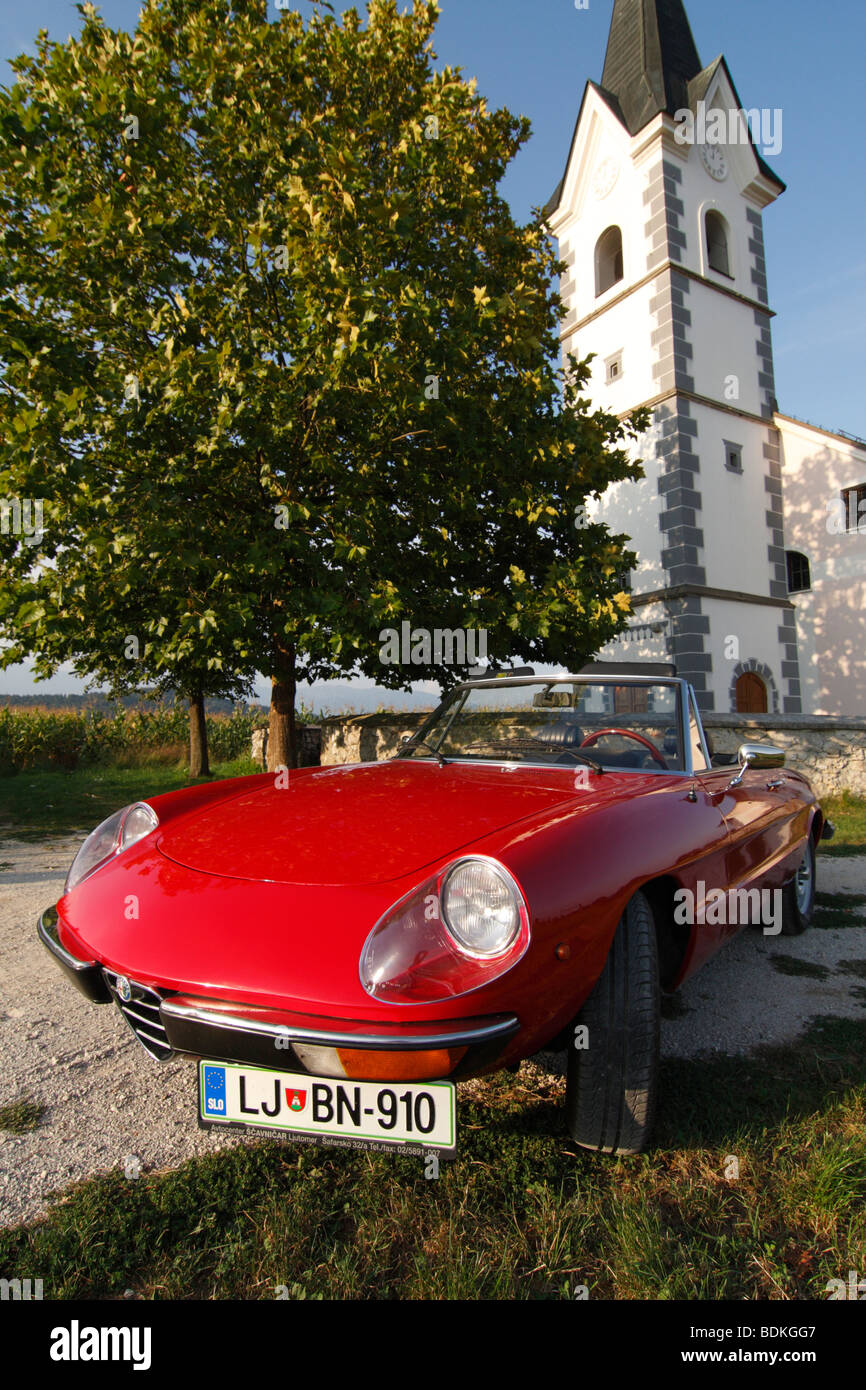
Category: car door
[698,854]
[759,807]
[754,812]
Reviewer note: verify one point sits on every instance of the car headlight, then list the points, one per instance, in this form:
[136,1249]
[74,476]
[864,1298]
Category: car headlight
[481,908]
[115,834]
[459,930]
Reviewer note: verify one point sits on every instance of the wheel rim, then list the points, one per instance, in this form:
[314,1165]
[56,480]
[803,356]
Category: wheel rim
[804,882]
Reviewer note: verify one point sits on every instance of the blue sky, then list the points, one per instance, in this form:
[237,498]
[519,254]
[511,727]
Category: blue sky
[534,56]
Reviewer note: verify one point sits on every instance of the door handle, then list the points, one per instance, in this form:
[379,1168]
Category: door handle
[777,782]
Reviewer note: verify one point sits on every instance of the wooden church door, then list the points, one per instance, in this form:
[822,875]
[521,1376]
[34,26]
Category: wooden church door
[751,694]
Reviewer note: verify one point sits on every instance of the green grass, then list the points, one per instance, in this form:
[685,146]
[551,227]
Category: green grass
[793,965]
[19,1116]
[836,910]
[521,1213]
[848,814]
[34,805]
[840,902]
[673,1006]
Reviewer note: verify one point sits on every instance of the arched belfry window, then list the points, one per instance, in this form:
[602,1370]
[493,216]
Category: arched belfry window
[718,257]
[608,260]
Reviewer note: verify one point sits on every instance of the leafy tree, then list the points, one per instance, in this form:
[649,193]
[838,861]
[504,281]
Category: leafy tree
[271,338]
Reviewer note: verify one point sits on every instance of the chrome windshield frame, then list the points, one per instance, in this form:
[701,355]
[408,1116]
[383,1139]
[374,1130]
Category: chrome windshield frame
[681,718]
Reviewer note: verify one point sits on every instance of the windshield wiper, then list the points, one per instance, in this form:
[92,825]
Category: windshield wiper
[527,743]
[422,743]
[564,748]
[584,758]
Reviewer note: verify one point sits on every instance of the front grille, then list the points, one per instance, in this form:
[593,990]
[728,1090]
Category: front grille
[141,1012]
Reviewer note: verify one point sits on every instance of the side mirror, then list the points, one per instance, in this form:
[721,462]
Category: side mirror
[757,755]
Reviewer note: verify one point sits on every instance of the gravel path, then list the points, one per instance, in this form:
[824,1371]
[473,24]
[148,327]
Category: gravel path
[108,1105]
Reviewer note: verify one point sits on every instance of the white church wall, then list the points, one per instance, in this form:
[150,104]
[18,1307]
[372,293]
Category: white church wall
[700,192]
[633,509]
[646,640]
[624,330]
[723,335]
[603,188]
[744,633]
[816,467]
[734,504]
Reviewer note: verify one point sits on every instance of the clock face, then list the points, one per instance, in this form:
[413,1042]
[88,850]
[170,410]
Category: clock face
[714,161]
[605,178]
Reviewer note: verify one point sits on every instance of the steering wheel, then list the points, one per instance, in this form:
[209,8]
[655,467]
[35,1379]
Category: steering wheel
[626,733]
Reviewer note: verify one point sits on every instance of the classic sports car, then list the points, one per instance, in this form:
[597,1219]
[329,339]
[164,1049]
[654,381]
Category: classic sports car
[538,862]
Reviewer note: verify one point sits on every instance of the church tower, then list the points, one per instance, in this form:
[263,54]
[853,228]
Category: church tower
[659,220]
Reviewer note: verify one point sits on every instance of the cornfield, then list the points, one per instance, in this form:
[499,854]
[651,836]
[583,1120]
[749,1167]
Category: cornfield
[40,738]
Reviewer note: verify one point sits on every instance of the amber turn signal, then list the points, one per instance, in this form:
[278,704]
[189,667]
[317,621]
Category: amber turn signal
[380,1064]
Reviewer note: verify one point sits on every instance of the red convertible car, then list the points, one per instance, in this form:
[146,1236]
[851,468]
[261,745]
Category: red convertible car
[541,860]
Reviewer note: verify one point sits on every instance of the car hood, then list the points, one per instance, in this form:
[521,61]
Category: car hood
[365,823]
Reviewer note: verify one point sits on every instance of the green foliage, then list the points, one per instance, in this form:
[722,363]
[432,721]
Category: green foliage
[282,364]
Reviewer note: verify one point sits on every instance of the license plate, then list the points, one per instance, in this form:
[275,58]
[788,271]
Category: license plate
[414,1117]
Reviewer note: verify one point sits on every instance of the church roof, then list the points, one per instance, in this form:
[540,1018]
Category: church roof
[554,200]
[698,88]
[652,65]
[651,58]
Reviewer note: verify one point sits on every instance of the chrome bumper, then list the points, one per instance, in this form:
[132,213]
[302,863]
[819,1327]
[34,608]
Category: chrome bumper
[167,1023]
[86,975]
[265,1037]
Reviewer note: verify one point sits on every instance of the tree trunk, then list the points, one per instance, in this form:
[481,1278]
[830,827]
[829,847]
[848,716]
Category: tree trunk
[282,730]
[198,759]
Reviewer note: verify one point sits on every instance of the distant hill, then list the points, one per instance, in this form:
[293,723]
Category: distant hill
[98,700]
[337,697]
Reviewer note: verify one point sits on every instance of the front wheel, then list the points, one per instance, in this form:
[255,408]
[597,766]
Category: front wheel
[613,1078]
[798,896]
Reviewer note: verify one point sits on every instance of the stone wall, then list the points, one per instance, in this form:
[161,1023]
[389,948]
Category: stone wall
[309,741]
[830,752]
[366,738]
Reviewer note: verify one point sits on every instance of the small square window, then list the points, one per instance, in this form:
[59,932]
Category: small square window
[613,368]
[733,457]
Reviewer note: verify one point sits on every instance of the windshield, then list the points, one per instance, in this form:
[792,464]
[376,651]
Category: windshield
[615,725]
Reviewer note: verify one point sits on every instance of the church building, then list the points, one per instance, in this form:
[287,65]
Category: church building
[750,524]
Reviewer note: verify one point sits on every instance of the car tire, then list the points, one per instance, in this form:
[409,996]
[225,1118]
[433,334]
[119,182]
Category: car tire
[612,1083]
[798,896]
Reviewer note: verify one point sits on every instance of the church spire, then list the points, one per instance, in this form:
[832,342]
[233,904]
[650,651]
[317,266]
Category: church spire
[651,58]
